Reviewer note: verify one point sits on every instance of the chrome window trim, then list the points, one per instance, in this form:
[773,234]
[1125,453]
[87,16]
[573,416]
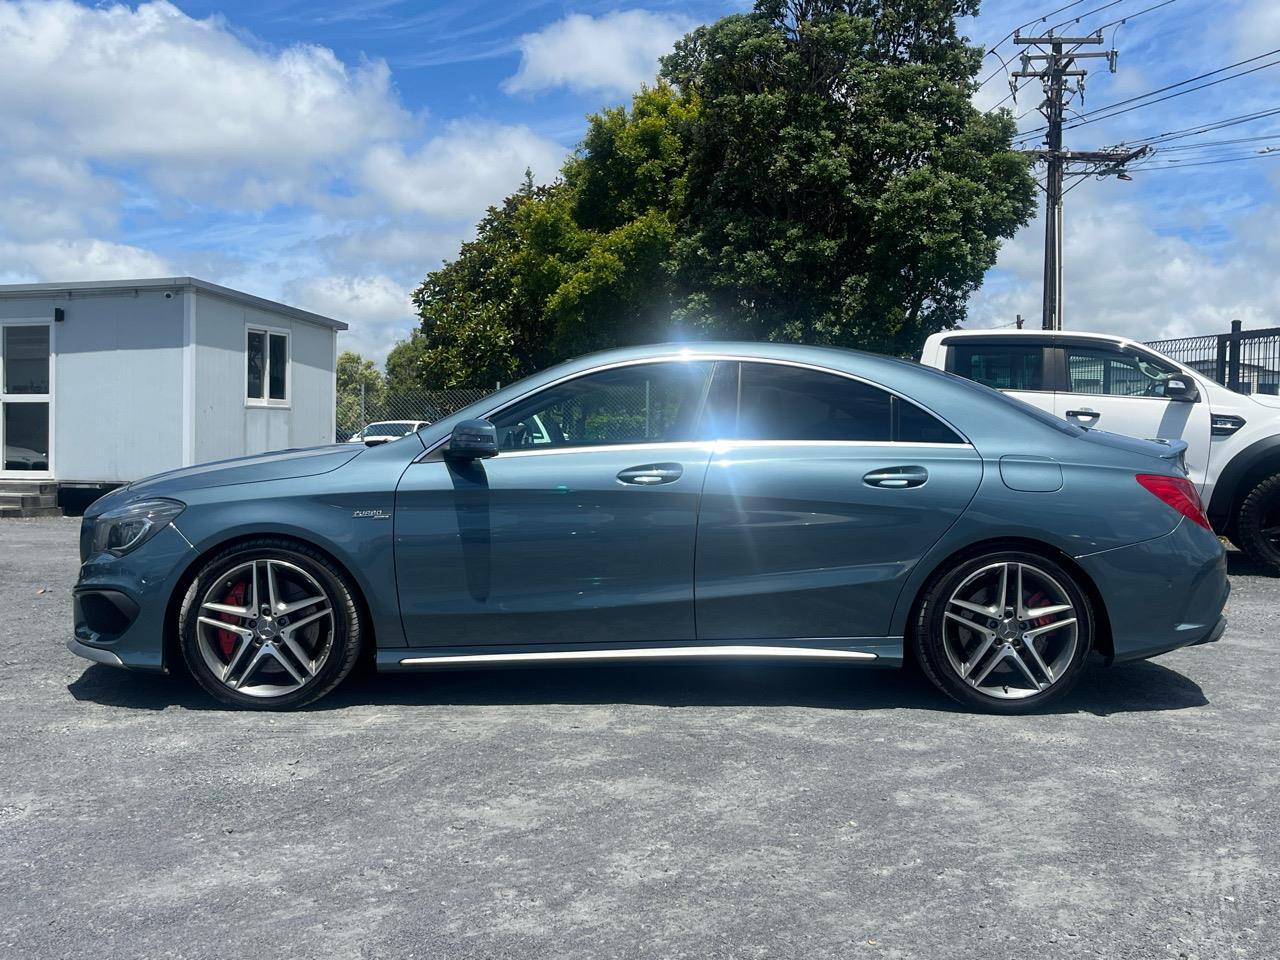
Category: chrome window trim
[724,446]
[716,357]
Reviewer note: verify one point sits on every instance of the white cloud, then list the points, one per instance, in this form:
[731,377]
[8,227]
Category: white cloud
[185,98]
[377,308]
[460,171]
[57,260]
[1122,276]
[612,54]
[281,170]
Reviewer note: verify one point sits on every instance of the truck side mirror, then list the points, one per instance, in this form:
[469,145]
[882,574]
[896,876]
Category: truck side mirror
[1181,389]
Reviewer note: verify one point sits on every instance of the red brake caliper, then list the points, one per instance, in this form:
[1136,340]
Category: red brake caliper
[234,598]
[1039,599]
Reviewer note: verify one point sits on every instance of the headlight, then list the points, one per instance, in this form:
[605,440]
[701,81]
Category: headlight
[127,528]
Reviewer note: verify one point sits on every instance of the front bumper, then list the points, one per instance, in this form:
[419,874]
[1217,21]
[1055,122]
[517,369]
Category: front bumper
[1162,594]
[119,604]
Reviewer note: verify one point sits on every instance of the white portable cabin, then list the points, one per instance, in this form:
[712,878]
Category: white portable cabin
[104,383]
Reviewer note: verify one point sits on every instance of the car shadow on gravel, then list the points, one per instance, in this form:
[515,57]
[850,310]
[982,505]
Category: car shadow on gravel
[1127,688]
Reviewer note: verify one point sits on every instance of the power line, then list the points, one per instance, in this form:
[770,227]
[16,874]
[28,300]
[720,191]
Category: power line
[1203,128]
[1218,143]
[1087,13]
[1093,115]
[1132,16]
[1004,64]
[1209,163]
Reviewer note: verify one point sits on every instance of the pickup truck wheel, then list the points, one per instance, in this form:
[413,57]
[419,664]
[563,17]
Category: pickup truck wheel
[1257,526]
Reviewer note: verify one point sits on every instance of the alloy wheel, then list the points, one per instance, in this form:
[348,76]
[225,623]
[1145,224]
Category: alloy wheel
[265,628]
[1010,630]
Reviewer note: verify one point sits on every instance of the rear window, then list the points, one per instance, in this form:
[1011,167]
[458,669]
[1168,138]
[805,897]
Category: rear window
[1001,366]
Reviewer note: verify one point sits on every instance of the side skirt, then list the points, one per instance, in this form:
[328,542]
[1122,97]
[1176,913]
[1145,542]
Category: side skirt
[877,652]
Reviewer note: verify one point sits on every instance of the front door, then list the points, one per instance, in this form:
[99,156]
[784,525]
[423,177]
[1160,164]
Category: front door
[1123,391]
[817,510]
[26,393]
[581,530]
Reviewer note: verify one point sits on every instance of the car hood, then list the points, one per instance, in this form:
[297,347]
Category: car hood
[1266,400]
[280,465]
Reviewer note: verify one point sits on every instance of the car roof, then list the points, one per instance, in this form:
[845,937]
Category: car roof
[1003,332]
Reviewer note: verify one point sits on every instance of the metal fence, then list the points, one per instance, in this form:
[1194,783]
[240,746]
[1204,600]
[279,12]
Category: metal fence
[1246,361]
[358,408]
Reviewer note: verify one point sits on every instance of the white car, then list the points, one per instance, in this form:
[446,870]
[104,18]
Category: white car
[1120,385]
[382,431]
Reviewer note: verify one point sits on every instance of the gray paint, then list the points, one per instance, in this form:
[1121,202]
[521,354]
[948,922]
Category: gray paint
[149,375]
[548,549]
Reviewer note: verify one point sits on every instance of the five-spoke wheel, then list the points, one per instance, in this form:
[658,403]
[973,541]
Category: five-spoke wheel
[1006,631]
[269,624]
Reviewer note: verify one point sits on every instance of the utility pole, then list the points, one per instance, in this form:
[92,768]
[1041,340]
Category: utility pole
[1062,79]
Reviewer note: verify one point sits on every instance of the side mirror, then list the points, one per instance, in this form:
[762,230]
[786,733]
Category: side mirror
[1179,388]
[472,440]
[375,441]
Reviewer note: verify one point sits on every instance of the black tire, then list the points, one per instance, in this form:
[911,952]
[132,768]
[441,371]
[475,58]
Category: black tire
[1259,513]
[929,642]
[343,637]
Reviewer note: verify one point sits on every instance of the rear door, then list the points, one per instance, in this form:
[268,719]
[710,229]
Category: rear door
[1122,390]
[820,498]
[1020,366]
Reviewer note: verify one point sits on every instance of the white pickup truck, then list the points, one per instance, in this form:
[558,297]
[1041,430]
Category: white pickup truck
[1120,385]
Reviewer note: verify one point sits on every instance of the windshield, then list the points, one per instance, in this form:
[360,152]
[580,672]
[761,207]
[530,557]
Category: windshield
[397,429]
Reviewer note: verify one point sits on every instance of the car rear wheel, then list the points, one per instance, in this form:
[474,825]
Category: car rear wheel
[1005,632]
[269,625]
[1257,526]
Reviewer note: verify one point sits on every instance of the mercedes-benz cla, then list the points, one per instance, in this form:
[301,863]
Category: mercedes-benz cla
[718,500]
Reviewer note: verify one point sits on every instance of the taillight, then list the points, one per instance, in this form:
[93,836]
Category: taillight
[1179,493]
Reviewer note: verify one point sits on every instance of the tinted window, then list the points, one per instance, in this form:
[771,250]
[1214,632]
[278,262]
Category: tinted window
[1101,371]
[791,403]
[257,363]
[278,366]
[914,425]
[648,403]
[1004,366]
[25,353]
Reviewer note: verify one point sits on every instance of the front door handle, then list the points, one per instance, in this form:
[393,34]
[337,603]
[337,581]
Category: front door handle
[896,477]
[651,474]
[1086,418]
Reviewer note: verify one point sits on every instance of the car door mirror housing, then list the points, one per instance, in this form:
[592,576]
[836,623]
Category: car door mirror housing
[1180,388]
[472,440]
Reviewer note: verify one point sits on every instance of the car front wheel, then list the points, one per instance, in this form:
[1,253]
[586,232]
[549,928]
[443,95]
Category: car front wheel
[269,625]
[1004,632]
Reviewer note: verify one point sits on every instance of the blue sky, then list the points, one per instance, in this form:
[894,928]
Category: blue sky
[330,154]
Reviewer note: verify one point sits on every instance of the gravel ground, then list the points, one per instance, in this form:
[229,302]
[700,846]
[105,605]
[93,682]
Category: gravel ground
[664,811]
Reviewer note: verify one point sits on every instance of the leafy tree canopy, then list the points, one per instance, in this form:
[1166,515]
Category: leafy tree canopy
[811,171]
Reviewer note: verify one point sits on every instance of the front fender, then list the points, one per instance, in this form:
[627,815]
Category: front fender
[350,519]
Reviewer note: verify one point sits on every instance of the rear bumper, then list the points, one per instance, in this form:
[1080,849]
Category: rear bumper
[1162,594]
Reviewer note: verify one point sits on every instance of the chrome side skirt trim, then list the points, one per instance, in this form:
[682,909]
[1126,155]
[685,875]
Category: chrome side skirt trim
[743,651]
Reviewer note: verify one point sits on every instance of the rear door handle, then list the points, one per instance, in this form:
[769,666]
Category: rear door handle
[651,474]
[896,477]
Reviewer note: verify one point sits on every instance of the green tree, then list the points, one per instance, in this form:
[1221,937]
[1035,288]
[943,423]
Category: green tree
[812,170]
[842,189]
[353,373]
